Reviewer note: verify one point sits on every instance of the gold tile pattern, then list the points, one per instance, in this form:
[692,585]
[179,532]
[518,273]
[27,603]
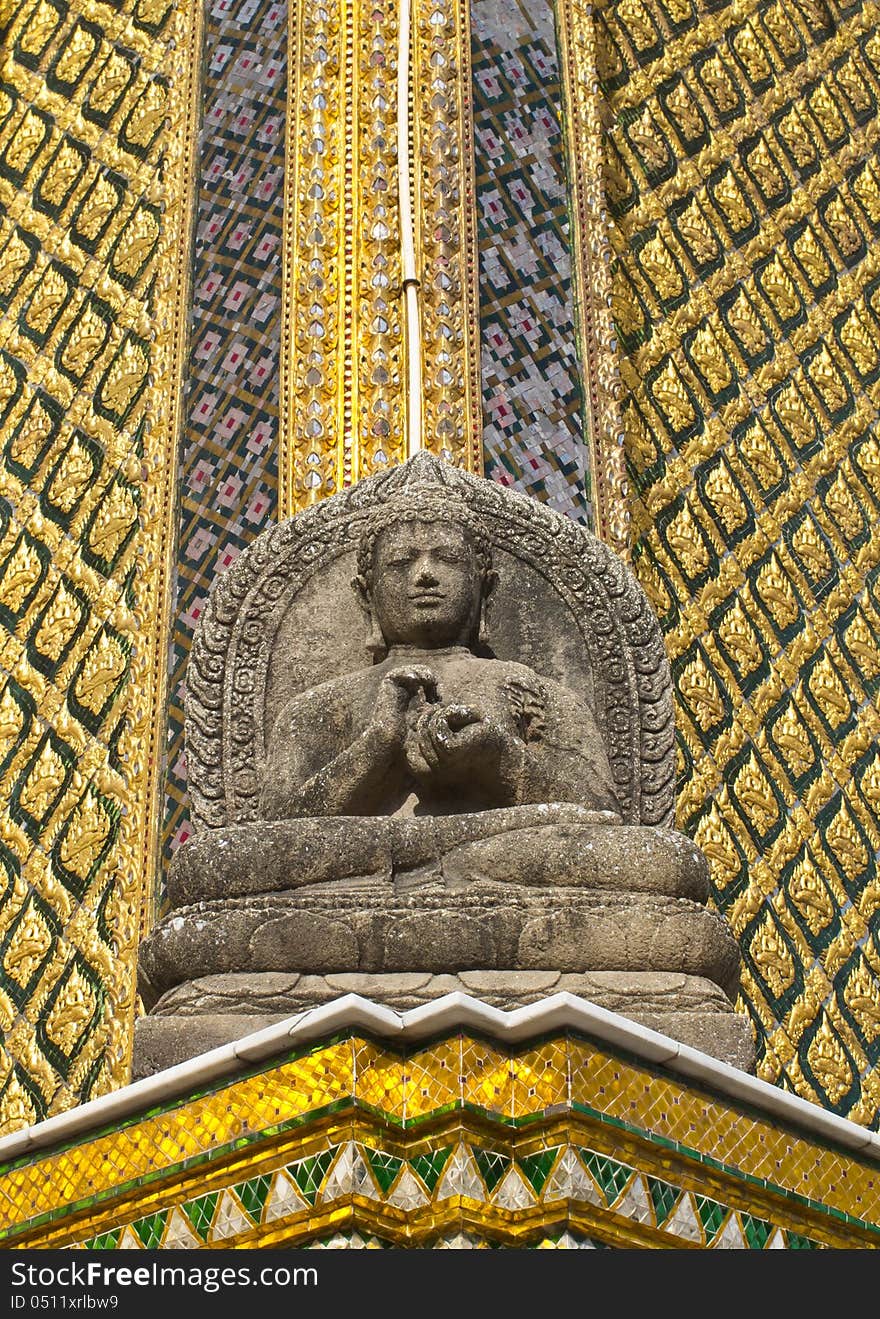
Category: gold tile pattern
[516,1146]
[96,132]
[744,198]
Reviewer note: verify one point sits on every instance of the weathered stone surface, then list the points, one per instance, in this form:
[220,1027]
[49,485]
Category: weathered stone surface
[553,843]
[219,1009]
[283,621]
[486,805]
[271,993]
[314,931]
[302,940]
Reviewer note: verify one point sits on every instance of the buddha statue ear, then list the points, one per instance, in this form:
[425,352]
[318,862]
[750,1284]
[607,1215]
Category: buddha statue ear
[375,642]
[490,581]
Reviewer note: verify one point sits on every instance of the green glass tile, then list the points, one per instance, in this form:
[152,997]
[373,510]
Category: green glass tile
[798,1242]
[200,1212]
[253,1194]
[664,1198]
[756,1230]
[309,1173]
[104,1240]
[712,1215]
[537,1167]
[151,1229]
[492,1165]
[385,1167]
[611,1175]
[430,1166]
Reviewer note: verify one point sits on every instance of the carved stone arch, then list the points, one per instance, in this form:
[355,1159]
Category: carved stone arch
[281,620]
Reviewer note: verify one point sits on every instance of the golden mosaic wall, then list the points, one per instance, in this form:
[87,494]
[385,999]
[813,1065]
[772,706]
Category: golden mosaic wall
[98,114]
[743,181]
[463,1141]
[95,127]
[743,184]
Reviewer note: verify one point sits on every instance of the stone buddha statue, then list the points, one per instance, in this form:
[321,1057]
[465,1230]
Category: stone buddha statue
[436,726]
[429,742]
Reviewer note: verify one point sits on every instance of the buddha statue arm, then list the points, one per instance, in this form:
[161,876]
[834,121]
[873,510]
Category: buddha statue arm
[581,775]
[554,754]
[360,778]
[457,749]
[569,761]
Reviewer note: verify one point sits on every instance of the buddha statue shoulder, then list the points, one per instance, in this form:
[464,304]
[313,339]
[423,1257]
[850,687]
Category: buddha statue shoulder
[430,747]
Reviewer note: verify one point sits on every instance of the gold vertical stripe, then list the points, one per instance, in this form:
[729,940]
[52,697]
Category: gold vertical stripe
[590,253]
[473,440]
[380,362]
[343,417]
[288,230]
[312,367]
[347,460]
[170,358]
[99,339]
[446,232]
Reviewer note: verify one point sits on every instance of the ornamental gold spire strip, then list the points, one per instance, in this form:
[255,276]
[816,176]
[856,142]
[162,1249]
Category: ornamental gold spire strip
[597,341]
[343,357]
[92,114]
[315,276]
[446,227]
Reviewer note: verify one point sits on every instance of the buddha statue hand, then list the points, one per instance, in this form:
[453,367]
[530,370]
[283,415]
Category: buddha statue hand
[402,692]
[455,746]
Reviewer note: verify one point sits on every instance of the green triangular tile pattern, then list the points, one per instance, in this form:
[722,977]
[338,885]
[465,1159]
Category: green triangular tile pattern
[537,1167]
[663,1197]
[430,1166]
[798,1242]
[611,1176]
[484,1171]
[200,1212]
[492,1166]
[151,1229]
[756,1230]
[104,1240]
[385,1167]
[712,1215]
[309,1173]
[253,1195]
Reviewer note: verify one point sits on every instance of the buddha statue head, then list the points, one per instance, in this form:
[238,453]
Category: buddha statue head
[424,577]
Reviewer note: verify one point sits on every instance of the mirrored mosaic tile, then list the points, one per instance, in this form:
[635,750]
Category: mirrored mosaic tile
[487,1077]
[531,377]
[268,1154]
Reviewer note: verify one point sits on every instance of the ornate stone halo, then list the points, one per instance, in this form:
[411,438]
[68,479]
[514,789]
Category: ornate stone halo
[614,656]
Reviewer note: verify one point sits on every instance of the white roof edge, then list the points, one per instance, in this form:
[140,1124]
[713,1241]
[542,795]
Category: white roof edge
[452,1011]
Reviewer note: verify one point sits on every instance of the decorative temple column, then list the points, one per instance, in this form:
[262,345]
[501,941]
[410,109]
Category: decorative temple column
[346,379]
[353,399]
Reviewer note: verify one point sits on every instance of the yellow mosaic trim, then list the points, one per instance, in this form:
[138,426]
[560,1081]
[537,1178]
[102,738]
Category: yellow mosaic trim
[740,167]
[88,410]
[597,342]
[342,337]
[342,360]
[446,233]
[368,1210]
[562,1085]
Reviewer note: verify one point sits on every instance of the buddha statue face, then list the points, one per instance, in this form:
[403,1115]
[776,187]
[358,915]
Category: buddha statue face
[426,587]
